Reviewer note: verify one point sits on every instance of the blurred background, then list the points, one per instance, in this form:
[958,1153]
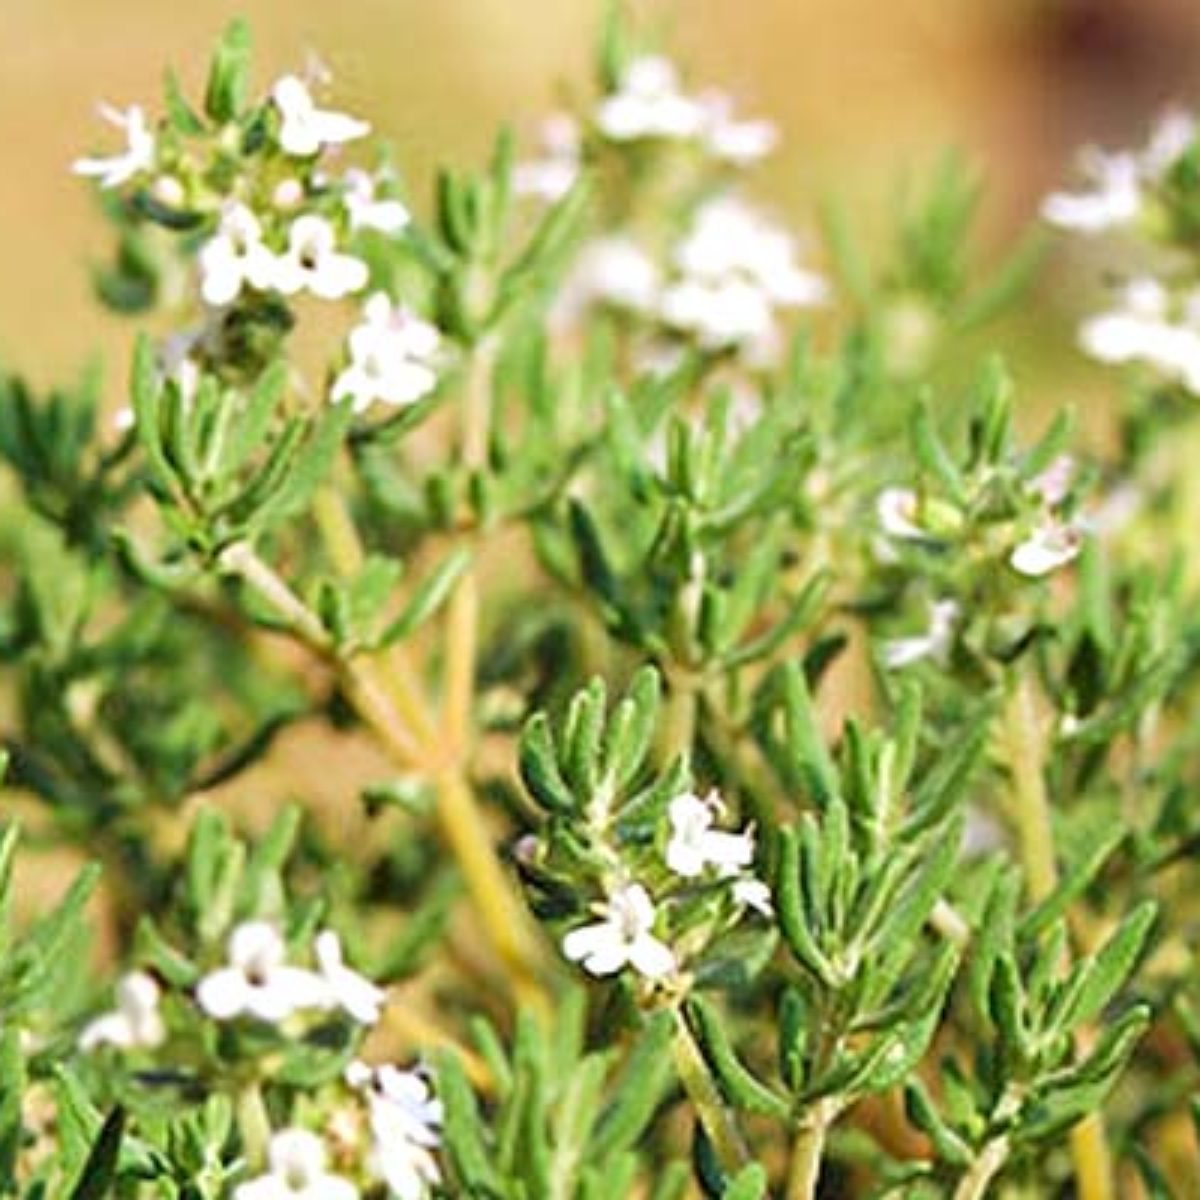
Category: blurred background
[863,90]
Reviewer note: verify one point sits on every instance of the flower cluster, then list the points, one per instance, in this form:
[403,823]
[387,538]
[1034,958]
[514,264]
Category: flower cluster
[403,1120]
[1155,321]
[393,357]
[1043,540]
[649,103]
[723,288]
[695,851]
[257,982]
[284,224]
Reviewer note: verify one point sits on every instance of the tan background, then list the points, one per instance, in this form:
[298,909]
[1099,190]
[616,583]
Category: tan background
[862,88]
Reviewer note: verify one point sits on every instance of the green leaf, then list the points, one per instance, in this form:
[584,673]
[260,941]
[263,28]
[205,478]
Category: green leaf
[427,598]
[1094,981]
[100,1169]
[740,1087]
[229,75]
[922,1112]
[750,1183]
[12,1092]
[804,737]
[463,1131]
[538,761]
[179,112]
[639,1090]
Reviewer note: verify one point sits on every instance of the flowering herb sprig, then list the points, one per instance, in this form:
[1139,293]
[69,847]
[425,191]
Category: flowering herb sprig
[873,876]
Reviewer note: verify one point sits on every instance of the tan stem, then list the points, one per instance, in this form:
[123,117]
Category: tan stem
[808,1151]
[975,1183]
[501,912]
[1025,747]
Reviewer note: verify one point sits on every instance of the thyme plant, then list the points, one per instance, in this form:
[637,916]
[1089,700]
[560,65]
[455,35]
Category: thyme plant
[553,696]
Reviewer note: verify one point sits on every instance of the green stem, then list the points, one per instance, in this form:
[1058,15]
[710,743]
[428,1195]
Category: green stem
[706,1098]
[679,717]
[1025,753]
[254,1125]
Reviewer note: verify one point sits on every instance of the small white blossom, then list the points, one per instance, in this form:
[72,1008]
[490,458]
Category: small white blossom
[553,175]
[288,194]
[729,238]
[612,270]
[897,510]
[1170,139]
[136,1021]
[694,844]
[1053,483]
[1113,199]
[623,938]
[258,982]
[296,1160]
[366,210]
[719,313]
[305,128]
[735,268]
[347,989]
[753,893]
[1052,544]
[1118,180]
[934,643]
[234,258]
[405,1121]
[649,104]
[312,262]
[1142,329]
[739,142]
[137,157]
[393,357]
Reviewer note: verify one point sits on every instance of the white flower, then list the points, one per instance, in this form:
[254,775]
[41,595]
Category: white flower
[623,938]
[553,175]
[1053,483]
[235,258]
[1114,198]
[1052,544]
[288,194]
[735,268]
[313,262]
[1141,329]
[694,843]
[138,155]
[136,1021]
[729,238]
[1118,180]
[897,510]
[934,643]
[753,893]
[258,982]
[366,210]
[296,1161]
[719,314]
[1171,138]
[393,357]
[740,143]
[347,989]
[405,1119]
[611,270]
[649,104]
[305,128]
